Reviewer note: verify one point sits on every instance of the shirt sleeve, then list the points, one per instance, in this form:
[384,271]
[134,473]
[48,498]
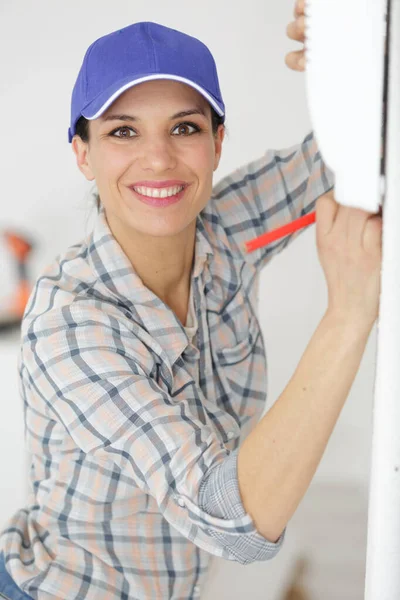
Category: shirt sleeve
[219,495]
[86,368]
[267,193]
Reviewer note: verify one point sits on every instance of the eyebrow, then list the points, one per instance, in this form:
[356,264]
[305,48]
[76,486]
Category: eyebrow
[179,115]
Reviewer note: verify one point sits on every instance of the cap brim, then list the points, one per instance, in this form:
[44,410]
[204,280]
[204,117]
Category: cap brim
[100,104]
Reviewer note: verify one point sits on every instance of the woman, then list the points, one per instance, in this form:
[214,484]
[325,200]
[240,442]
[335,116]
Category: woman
[142,363]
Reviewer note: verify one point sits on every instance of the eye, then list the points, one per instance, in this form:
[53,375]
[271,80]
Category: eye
[121,129]
[180,127]
[186,125]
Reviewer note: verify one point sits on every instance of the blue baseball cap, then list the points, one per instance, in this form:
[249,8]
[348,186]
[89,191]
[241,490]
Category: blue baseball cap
[137,53]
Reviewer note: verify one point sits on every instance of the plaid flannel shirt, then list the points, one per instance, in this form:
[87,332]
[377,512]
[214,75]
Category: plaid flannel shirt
[133,465]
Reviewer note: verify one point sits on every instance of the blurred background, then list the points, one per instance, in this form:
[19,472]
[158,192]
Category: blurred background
[47,205]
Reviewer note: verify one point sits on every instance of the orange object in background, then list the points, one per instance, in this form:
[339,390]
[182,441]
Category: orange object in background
[21,298]
[20,249]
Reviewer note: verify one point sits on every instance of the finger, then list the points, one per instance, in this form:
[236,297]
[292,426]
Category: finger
[296,30]
[292,60]
[357,219]
[343,231]
[351,222]
[299,8]
[358,225]
[326,211]
[372,238]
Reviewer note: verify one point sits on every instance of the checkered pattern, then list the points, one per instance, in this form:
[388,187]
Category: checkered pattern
[134,465]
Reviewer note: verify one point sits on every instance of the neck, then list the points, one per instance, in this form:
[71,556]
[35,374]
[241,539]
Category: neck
[164,264]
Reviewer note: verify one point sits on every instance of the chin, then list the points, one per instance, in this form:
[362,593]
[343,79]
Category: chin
[159,226]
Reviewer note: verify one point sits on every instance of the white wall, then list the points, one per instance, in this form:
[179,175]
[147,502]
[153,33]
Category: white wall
[42,45]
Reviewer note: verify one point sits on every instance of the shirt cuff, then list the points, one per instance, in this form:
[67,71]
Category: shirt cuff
[219,496]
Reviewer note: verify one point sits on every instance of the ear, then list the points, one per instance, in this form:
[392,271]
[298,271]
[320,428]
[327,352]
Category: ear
[81,150]
[219,138]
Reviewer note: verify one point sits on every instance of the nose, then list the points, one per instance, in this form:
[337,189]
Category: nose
[157,154]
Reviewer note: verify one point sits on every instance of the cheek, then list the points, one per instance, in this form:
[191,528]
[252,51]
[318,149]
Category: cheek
[111,163]
[200,158]
[203,167]
[110,169]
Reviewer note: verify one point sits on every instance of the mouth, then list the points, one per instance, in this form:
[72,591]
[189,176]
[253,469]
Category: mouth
[159,197]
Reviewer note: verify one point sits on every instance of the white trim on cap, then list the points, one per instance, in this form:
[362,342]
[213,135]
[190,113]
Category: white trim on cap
[149,78]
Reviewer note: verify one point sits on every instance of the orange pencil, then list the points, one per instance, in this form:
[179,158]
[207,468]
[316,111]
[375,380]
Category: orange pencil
[271,236]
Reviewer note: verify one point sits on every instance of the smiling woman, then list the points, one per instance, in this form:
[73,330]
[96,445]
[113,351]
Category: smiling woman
[82,130]
[142,363]
[153,149]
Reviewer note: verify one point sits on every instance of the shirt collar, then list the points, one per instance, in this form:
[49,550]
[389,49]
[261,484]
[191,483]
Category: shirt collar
[115,271]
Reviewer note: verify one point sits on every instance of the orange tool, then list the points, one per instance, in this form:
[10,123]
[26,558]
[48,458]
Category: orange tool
[20,248]
[271,236]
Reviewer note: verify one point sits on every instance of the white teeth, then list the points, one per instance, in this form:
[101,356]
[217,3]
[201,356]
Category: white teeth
[159,192]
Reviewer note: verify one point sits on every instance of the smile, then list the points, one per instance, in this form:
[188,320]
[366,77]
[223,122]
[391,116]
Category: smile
[159,197]
[159,192]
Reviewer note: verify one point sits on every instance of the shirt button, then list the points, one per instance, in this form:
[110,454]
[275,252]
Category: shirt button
[181,502]
[196,589]
[230,435]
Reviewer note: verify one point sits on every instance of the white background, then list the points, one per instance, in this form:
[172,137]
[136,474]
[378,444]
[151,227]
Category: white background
[43,193]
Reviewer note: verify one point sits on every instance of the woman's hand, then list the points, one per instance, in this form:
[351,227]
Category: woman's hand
[349,242]
[296,31]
